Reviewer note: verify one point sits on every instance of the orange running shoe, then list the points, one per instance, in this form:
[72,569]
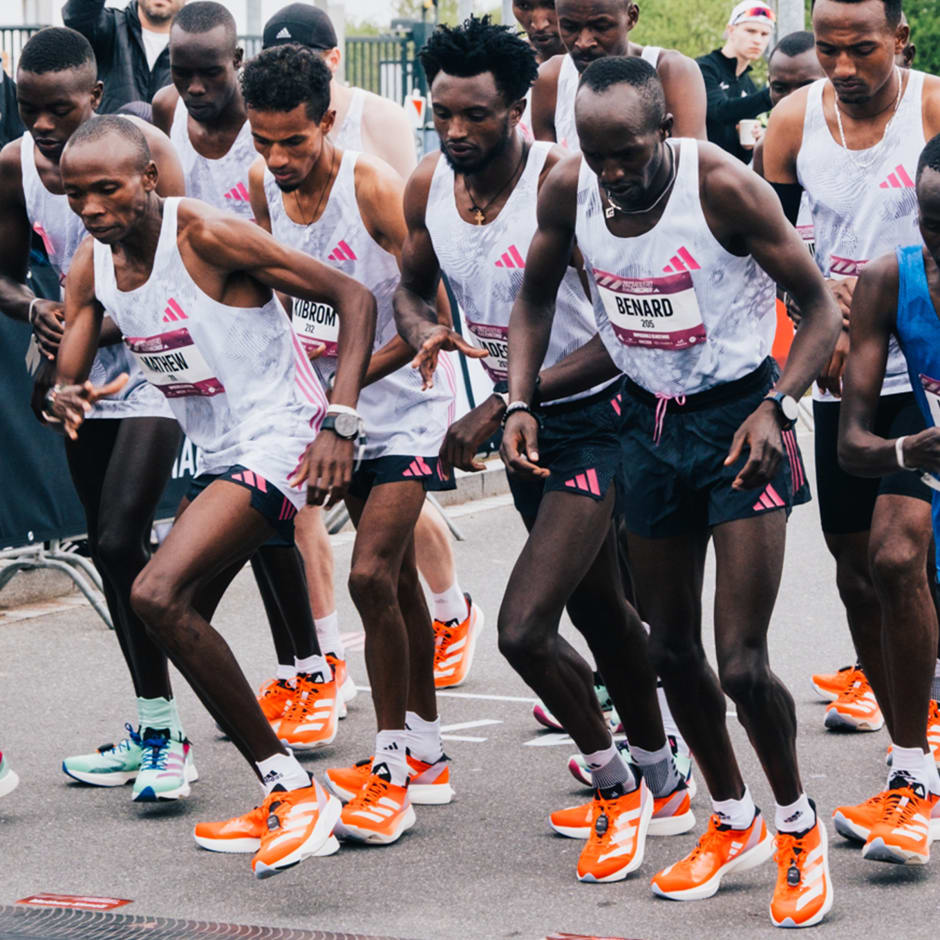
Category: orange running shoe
[299,824]
[617,843]
[344,681]
[803,894]
[855,822]
[274,697]
[720,850]
[428,784]
[672,814]
[830,685]
[902,834]
[378,814]
[310,720]
[856,708]
[243,834]
[455,644]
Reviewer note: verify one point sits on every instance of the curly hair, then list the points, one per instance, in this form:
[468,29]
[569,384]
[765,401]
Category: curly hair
[476,46]
[57,49]
[282,77]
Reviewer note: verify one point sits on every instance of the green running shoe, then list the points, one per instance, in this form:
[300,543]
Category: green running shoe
[112,765]
[166,767]
[8,779]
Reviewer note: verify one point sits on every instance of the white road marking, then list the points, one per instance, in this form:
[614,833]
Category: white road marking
[550,740]
[462,737]
[473,695]
[462,725]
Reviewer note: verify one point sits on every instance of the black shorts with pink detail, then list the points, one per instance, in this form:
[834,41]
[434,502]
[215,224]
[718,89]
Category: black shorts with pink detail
[579,442]
[398,469]
[266,498]
[674,478]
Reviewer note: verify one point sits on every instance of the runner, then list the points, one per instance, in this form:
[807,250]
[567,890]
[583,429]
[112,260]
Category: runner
[851,142]
[700,391]
[899,295]
[471,215]
[191,290]
[378,126]
[346,207]
[539,21]
[121,461]
[592,29]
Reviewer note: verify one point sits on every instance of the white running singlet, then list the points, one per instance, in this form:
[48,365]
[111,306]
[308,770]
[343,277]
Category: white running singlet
[349,135]
[866,208]
[62,231]
[485,264]
[566,133]
[223,183]
[236,378]
[677,312]
[400,418]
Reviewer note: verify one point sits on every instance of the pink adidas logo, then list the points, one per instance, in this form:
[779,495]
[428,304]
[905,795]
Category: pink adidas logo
[342,252]
[418,468]
[238,193]
[511,259]
[173,312]
[898,179]
[252,479]
[769,499]
[682,260]
[585,482]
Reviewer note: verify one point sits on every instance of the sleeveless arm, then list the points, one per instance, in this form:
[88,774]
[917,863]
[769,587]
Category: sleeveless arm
[544,96]
[15,236]
[685,94]
[389,135]
[164,108]
[83,318]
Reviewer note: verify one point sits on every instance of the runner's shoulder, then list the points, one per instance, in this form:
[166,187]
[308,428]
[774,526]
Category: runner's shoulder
[881,276]
[548,73]
[418,188]
[11,172]
[931,104]
[723,179]
[787,116]
[556,155]
[203,226]
[164,107]
[558,190]
[382,116]
[673,63]
[376,179]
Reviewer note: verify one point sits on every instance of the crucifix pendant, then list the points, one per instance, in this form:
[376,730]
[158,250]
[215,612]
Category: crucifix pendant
[478,216]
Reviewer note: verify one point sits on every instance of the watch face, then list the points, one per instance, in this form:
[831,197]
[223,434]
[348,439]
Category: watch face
[791,410]
[346,425]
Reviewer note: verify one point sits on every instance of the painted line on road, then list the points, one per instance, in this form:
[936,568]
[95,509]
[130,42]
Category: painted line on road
[464,725]
[462,737]
[473,695]
[549,740]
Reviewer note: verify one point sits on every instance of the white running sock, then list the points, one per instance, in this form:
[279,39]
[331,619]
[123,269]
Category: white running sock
[283,769]
[390,748]
[669,723]
[310,665]
[159,713]
[328,635]
[911,761]
[935,685]
[425,737]
[738,814]
[608,768]
[933,775]
[451,605]
[287,673]
[797,817]
[658,768]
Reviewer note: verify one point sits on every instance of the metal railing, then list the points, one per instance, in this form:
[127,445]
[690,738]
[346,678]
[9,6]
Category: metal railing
[12,40]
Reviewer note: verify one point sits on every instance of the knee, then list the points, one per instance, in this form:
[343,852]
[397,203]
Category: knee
[671,659]
[371,585]
[521,641]
[897,562]
[156,603]
[853,580]
[744,678]
[115,552]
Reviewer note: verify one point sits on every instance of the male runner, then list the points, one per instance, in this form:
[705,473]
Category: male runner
[122,459]
[851,142]
[592,29]
[371,124]
[899,295]
[346,207]
[540,24]
[479,73]
[680,242]
[191,290]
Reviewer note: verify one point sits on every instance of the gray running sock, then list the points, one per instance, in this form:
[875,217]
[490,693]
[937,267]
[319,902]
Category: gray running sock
[658,769]
[935,685]
[614,773]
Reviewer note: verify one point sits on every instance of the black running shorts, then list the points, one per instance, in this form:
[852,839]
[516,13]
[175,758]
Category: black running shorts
[399,469]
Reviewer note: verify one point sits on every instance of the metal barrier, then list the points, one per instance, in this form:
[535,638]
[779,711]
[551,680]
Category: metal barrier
[12,40]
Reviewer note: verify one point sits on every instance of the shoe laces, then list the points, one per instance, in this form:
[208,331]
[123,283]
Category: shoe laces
[792,853]
[155,750]
[710,840]
[857,688]
[373,791]
[901,800]
[276,688]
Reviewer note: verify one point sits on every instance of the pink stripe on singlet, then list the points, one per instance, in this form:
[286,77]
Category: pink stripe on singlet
[307,380]
[449,373]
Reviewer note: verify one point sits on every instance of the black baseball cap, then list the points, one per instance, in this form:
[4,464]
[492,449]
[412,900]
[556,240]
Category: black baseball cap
[302,23]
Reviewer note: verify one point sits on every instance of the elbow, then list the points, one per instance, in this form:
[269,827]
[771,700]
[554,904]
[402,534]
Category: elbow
[850,455]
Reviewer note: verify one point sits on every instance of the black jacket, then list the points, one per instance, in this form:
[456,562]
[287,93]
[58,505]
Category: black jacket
[119,47]
[730,98]
[10,125]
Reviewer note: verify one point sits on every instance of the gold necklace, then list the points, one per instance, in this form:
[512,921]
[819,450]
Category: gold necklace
[323,190]
[479,212]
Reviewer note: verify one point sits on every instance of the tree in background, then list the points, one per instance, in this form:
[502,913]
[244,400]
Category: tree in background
[924,17]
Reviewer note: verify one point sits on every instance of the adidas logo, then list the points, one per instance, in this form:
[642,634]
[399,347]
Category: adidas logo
[173,312]
[769,499]
[270,777]
[284,33]
[238,193]
[682,260]
[511,259]
[418,468]
[342,252]
[252,479]
[585,482]
[897,179]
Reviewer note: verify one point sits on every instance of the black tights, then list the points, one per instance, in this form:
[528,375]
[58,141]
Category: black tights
[120,468]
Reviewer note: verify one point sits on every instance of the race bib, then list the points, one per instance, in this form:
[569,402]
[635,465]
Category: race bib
[316,325]
[495,340]
[172,363]
[656,312]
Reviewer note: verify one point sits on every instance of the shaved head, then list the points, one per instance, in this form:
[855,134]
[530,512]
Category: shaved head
[98,129]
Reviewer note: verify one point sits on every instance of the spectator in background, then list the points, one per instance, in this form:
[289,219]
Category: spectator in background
[731,93]
[11,126]
[905,58]
[130,46]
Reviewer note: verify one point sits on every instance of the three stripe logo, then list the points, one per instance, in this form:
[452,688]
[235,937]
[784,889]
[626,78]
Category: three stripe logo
[252,479]
[897,179]
[585,482]
[418,468]
[511,259]
[173,312]
[769,499]
[238,193]
[342,252]
[682,260]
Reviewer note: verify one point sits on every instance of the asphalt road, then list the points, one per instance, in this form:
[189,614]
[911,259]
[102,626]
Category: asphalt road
[488,865]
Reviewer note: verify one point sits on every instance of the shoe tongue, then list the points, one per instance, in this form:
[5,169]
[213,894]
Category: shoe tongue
[902,780]
[317,678]
[612,793]
[381,770]
[155,735]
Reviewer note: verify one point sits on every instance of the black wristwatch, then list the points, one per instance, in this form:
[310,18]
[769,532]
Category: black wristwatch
[343,424]
[787,407]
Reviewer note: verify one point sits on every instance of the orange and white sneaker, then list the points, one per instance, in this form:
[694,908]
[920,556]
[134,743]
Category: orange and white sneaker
[720,850]
[855,822]
[274,697]
[455,643]
[243,834]
[298,825]
[830,685]
[803,894]
[378,814]
[428,784]
[672,814]
[903,833]
[617,842]
[856,708]
[344,681]
[310,719]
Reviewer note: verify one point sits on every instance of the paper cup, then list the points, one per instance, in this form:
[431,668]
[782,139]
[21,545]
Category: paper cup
[747,130]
